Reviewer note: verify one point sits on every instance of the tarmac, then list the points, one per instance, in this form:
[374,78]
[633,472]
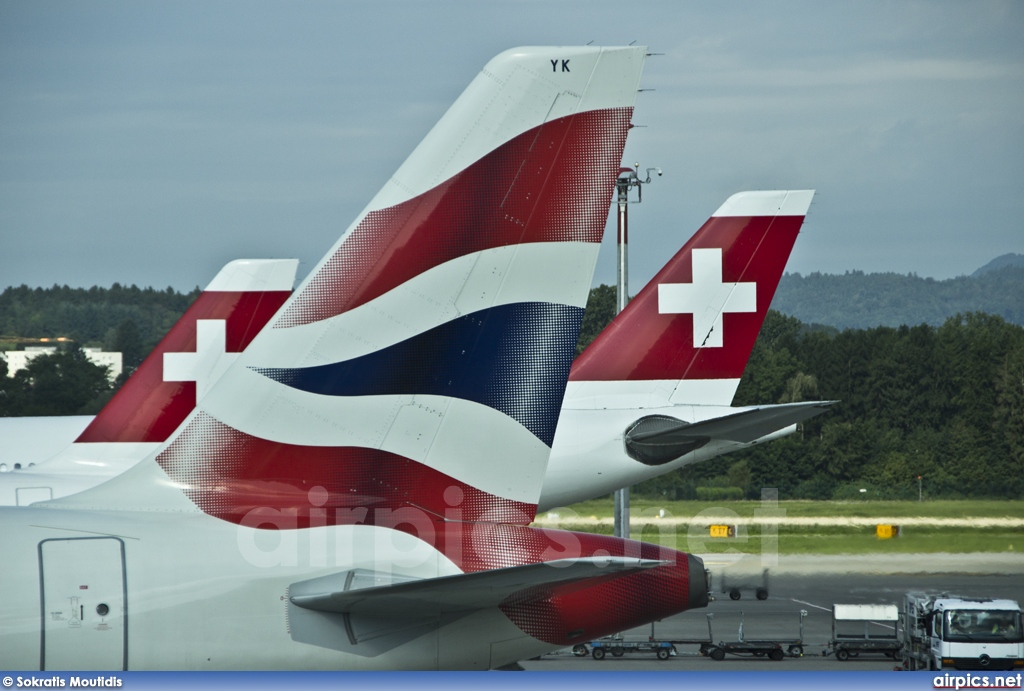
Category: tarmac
[808,583]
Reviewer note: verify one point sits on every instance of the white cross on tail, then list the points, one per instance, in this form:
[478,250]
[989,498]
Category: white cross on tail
[208,363]
[707,298]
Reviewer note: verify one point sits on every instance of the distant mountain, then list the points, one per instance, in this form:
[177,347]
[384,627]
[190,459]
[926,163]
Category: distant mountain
[1009,259]
[856,300]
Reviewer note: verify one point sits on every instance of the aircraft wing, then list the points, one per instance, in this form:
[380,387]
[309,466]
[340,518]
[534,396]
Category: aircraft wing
[471,591]
[744,427]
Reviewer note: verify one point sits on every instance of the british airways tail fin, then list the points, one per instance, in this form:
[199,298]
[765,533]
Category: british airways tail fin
[422,363]
[162,391]
[686,338]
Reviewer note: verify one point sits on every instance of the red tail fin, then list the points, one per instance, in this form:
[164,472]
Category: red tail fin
[235,306]
[690,331]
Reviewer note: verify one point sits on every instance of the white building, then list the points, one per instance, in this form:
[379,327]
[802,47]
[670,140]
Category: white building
[18,359]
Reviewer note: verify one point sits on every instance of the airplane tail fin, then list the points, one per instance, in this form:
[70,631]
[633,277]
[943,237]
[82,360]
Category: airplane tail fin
[222,321]
[687,336]
[422,363]
[162,390]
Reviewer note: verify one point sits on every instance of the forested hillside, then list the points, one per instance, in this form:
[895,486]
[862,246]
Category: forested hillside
[1004,260]
[944,402]
[125,319]
[856,300]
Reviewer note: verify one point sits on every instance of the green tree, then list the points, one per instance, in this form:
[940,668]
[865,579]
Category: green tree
[62,383]
[8,403]
[128,342]
[800,387]
[739,475]
[1009,419]
[771,363]
[601,309]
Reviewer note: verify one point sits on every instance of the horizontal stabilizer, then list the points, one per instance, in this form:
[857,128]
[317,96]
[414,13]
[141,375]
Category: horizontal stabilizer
[469,591]
[659,439]
[744,427]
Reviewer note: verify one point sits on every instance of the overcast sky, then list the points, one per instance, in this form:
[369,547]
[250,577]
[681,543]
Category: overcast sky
[150,143]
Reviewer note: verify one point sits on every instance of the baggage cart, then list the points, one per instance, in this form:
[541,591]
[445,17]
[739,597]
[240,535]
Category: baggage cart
[773,650]
[852,627]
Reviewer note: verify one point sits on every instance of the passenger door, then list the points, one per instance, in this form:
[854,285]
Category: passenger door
[84,606]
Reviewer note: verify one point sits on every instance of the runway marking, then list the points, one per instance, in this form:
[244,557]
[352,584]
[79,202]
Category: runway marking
[876,623]
[801,602]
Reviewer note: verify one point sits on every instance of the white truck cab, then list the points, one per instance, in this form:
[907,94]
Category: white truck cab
[943,632]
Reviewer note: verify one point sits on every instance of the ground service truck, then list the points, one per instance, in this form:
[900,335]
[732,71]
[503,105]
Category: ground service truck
[948,632]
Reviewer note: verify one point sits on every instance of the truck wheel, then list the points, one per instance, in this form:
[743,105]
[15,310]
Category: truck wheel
[776,654]
[598,653]
[762,593]
[796,650]
[663,653]
[842,654]
[618,652]
[579,650]
[717,654]
[734,594]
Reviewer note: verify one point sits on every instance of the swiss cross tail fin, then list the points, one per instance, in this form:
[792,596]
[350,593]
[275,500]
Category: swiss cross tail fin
[222,321]
[423,362]
[687,336]
[148,407]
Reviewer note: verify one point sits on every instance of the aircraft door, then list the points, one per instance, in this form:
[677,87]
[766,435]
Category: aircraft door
[84,607]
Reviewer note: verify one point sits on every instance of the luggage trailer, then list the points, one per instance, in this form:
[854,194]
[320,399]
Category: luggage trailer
[773,650]
[735,589]
[617,646]
[851,631]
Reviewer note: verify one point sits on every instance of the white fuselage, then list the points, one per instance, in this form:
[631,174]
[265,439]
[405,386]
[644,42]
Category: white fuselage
[190,592]
[34,440]
[588,458]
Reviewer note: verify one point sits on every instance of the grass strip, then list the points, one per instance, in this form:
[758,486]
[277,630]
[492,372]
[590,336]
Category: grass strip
[818,539]
[602,509]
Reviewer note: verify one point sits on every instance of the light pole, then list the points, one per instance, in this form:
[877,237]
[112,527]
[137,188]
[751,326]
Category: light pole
[628,179]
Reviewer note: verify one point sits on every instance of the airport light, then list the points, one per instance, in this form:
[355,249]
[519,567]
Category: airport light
[627,180]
